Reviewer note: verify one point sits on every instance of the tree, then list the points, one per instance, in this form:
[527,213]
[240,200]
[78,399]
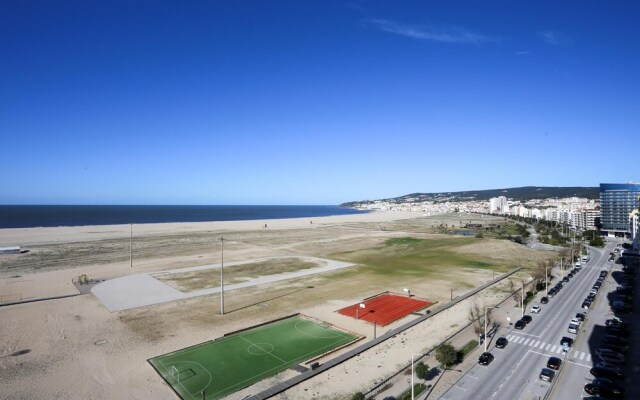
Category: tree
[446,354]
[421,370]
[514,289]
[477,318]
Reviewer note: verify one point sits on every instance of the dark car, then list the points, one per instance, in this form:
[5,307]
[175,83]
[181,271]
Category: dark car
[611,373]
[565,279]
[544,300]
[554,363]
[586,304]
[501,343]
[621,309]
[485,358]
[614,322]
[567,341]
[527,319]
[547,374]
[580,317]
[519,324]
[615,339]
[620,331]
[606,390]
[616,347]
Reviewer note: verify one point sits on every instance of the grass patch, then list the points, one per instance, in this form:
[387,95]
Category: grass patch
[209,278]
[417,389]
[413,257]
[468,348]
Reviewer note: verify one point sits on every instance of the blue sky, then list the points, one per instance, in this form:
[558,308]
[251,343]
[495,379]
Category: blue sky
[301,102]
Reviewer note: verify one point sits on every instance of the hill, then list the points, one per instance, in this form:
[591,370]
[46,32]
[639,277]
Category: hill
[520,193]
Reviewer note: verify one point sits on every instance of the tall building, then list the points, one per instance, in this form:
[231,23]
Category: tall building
[498,205]
[617,200]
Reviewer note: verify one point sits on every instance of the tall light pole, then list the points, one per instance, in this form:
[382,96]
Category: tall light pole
[412,374]
[522,296]
[131,245]
[486,310]
[221,275]
[546,280]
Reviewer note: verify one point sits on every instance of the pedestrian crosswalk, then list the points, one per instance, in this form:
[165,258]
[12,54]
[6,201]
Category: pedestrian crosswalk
[552,348]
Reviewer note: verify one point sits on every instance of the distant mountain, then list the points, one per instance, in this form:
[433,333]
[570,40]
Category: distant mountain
[520,193]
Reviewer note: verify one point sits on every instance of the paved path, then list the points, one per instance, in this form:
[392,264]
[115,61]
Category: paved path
[141,290]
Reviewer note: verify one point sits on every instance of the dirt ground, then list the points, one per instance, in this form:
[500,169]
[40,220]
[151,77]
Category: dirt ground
[74,348]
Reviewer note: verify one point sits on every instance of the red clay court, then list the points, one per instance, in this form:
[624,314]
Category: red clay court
[385,309]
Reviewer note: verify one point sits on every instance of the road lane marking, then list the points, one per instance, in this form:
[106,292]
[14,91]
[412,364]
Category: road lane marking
[526,334]
[582,356]
[456,386]
[577,363]
[526,341]
[553,349]
[547,346]
[588,357]
[537,343]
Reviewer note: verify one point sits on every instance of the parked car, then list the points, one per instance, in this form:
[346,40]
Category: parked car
[580,317]
[535,309]
[554,363]
[544,300]
[520,324]
[502,342]
[606,390]
[615,322]
[485,358]
[547,374]
[612,358]
[611,373]
[586,304]
[621,309]
[573,327]
[567,341]
[527,319]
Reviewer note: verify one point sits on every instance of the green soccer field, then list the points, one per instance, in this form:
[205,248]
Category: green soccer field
[223,366]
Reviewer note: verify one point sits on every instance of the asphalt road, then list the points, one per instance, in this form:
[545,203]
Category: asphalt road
[514,373]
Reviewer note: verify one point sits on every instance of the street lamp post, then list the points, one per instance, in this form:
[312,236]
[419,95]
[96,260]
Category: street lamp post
[522,298]
[486,310]
[131,245]
[413,373]
[546,280]
[221,275]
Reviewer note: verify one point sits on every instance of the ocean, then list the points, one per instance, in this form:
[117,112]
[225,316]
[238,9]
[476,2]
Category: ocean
[47,216]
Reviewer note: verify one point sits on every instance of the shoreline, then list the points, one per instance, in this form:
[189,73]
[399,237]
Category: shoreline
[64,234]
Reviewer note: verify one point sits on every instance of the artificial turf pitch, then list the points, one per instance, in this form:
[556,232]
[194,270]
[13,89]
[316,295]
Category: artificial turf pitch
[223,366]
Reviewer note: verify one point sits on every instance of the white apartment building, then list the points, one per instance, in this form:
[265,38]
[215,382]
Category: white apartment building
[498,205]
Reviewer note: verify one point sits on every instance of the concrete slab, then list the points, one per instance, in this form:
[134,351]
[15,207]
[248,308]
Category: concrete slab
[134,291]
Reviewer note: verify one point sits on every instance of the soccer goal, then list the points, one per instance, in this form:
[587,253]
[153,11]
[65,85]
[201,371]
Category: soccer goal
[175,373]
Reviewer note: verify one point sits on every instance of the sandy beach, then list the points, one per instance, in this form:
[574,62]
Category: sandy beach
[75,348]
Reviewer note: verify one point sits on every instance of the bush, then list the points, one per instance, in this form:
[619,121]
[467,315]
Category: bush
[358,396]
[421,370]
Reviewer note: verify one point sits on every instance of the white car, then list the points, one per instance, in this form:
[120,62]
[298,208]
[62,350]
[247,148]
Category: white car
[535,309]
[575,321]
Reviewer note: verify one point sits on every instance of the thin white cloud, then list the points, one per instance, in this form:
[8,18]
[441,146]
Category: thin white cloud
[554,38]
[522,53]
[445,34]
